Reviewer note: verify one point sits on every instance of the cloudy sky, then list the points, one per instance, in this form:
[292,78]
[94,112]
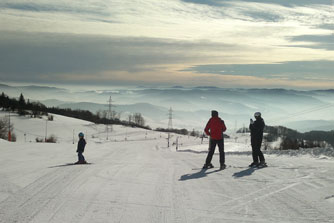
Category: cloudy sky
[223,43]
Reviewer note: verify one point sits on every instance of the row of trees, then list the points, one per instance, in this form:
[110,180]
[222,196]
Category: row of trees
[292,139]
[135,118]
[178,131]
[21,106]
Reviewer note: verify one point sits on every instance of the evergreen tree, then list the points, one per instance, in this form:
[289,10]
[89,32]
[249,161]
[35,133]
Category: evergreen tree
[22,106]
[22,101]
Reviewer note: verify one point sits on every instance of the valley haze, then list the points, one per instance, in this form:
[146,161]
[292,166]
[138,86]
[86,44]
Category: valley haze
[300,110]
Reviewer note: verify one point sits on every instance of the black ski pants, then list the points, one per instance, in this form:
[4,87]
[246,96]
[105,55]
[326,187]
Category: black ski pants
[212,147]
[256,150]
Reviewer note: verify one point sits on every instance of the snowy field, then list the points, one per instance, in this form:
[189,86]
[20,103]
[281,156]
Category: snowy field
[134,177]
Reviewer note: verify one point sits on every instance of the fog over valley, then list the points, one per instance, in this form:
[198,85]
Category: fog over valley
[300,110]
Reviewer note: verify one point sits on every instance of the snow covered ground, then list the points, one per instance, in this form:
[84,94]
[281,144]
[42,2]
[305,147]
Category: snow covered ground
[134,177]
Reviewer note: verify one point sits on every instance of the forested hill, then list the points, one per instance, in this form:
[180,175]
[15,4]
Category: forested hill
[292,139]
[36,109]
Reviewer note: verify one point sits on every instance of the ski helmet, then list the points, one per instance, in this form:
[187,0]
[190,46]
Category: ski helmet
[257,114]
[81,134]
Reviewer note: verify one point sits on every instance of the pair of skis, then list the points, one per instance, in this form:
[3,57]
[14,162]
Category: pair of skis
[259,166]
[212,167]
[229,166]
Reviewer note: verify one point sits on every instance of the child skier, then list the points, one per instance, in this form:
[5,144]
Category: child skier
[81,149]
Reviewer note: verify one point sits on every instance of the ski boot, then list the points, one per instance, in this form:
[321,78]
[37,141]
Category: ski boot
[253,164]
[208,166]
[261,164]
[222,167]
[81,162]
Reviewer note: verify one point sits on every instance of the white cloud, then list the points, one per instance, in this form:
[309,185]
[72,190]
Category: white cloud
[164,19]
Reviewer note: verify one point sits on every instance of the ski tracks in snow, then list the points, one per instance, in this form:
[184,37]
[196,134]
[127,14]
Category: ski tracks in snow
[141,182]
[289,190]
[27,203]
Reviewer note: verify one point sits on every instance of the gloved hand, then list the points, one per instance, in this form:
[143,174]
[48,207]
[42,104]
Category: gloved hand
[251,121]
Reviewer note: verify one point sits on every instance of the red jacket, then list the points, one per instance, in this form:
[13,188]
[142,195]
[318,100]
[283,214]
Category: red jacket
[215,128]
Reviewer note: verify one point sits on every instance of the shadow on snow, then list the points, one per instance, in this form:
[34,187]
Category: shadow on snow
[69,164]
[204,172]
[244,173]
[200,174]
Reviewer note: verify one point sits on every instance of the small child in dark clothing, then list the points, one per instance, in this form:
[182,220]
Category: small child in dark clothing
[81,149]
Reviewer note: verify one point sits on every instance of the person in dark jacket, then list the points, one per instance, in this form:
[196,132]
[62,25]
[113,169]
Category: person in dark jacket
[256,128]
[215,128]
[81,149]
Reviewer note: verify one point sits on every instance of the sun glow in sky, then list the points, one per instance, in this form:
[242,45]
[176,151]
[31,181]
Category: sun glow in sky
[223,43]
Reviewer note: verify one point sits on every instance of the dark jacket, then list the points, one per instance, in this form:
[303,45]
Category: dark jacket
[81,145]
[215,128]
[257,130]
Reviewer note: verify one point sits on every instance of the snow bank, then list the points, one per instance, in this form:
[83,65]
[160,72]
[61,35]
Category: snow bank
[3,141]
[240,145]
[315,152]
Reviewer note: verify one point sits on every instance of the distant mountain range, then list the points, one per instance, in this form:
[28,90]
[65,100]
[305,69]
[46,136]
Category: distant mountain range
[296,109]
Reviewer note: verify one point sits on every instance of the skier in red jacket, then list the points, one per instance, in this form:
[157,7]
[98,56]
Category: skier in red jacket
[215,129]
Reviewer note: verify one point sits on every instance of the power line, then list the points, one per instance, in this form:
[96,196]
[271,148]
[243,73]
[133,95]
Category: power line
[109,114]
[303,112]
[9,132]
[170,123]
[170,118]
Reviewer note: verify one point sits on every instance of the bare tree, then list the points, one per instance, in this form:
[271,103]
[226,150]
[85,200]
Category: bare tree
[113,114]
[138,119]
[4,128]
[130,118]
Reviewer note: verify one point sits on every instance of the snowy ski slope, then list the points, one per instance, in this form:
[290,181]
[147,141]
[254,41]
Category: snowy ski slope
[134,177]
